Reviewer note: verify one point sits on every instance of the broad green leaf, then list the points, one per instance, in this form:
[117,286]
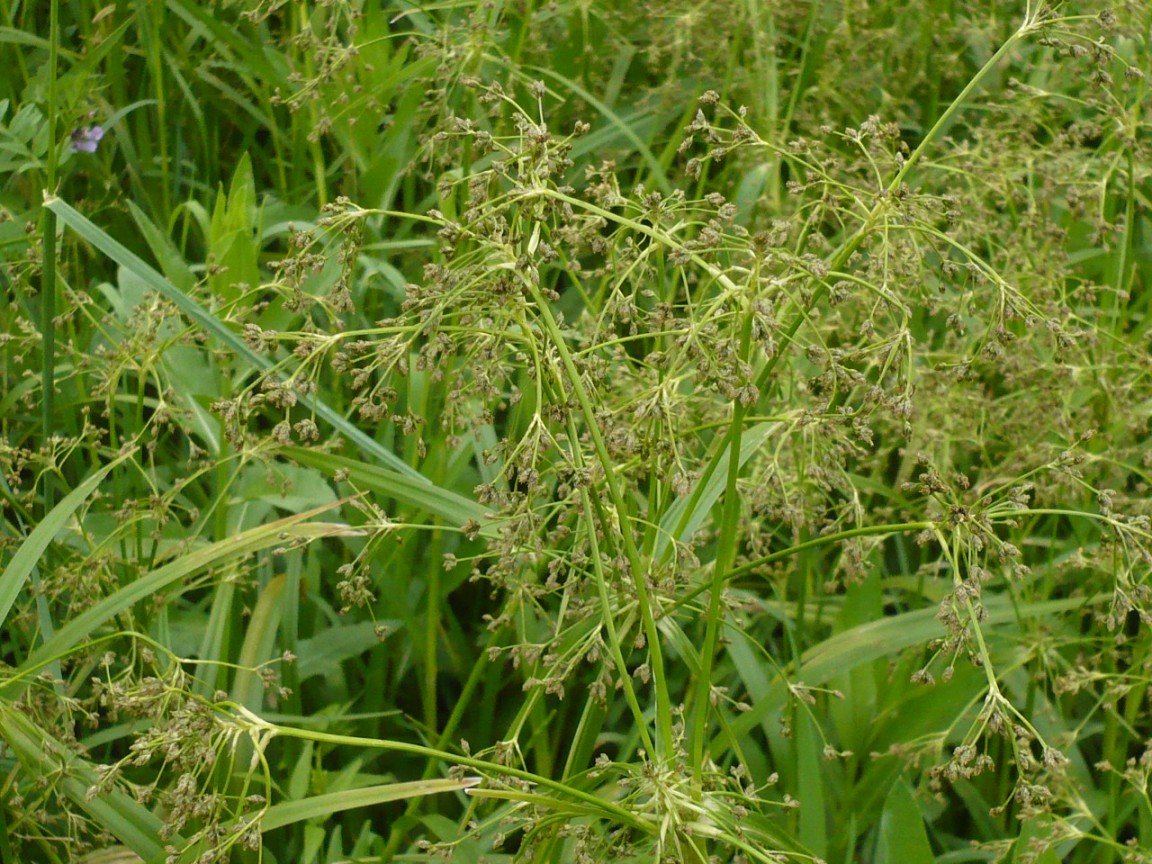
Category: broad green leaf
[902,838]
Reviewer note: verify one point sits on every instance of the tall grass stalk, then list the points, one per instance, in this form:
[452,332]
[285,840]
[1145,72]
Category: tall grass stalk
[48,264]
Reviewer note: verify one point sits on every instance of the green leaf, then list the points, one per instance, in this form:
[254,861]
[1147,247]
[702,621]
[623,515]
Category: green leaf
[259,644]
[810,773]
[455,509]
[99,238]
[175,268]
[627,129]
[20,567]
[286,487]
[1040,829]
[864,644]
[10,35]
[231,549]
[752,439]
[121,815]
[323,806]
[325,652]
[902,838]
[232,235]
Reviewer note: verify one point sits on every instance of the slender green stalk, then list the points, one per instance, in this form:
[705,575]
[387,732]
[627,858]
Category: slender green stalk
[664,743]
[430,674]
[48,265]
[1032,22]
[827,539]
[613,636]
[729,540]
[849,247]
[261,729]
[6,855]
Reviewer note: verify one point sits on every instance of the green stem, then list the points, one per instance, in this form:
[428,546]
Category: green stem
[864,531]
[432,634]
[48,334]
[613,638]
[259,728]
[1030,23]
[6,856]
[664,745]
[48,269]
[725,557]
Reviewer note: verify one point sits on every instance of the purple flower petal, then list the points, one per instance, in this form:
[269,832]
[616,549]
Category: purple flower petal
[85,139]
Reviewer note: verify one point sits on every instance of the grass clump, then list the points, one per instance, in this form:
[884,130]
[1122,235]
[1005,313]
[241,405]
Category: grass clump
[468,442]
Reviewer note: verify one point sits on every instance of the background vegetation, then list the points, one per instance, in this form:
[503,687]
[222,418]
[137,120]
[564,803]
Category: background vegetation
[575,431]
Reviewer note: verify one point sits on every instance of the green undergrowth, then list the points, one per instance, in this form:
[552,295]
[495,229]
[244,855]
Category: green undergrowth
[572,432]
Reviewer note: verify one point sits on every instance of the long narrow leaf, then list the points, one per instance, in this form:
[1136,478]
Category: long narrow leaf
[259,643]
[863,644]
[233,548]
[122,816]
[753,438]
[20,567]
[902,834]
[288,812]
[452,508]
[210,324]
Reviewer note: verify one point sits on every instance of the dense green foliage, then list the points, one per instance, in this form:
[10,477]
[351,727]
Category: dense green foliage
[575,431]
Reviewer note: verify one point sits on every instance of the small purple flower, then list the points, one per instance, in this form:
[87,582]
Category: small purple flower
[85,139]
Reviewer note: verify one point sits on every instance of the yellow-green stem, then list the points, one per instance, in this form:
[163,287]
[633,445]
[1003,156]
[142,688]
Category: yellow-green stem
[664,745]
[725,556]
[258,727]
[48,268]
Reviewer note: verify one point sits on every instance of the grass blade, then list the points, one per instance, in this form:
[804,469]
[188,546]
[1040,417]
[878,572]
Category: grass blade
[455,509]
[321,806]
[902,834]
[233,548]
[210,324]
[868,642]
[20,567]
[135,826]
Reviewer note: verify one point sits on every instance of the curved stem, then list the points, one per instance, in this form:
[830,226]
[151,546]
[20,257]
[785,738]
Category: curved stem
[259,728]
